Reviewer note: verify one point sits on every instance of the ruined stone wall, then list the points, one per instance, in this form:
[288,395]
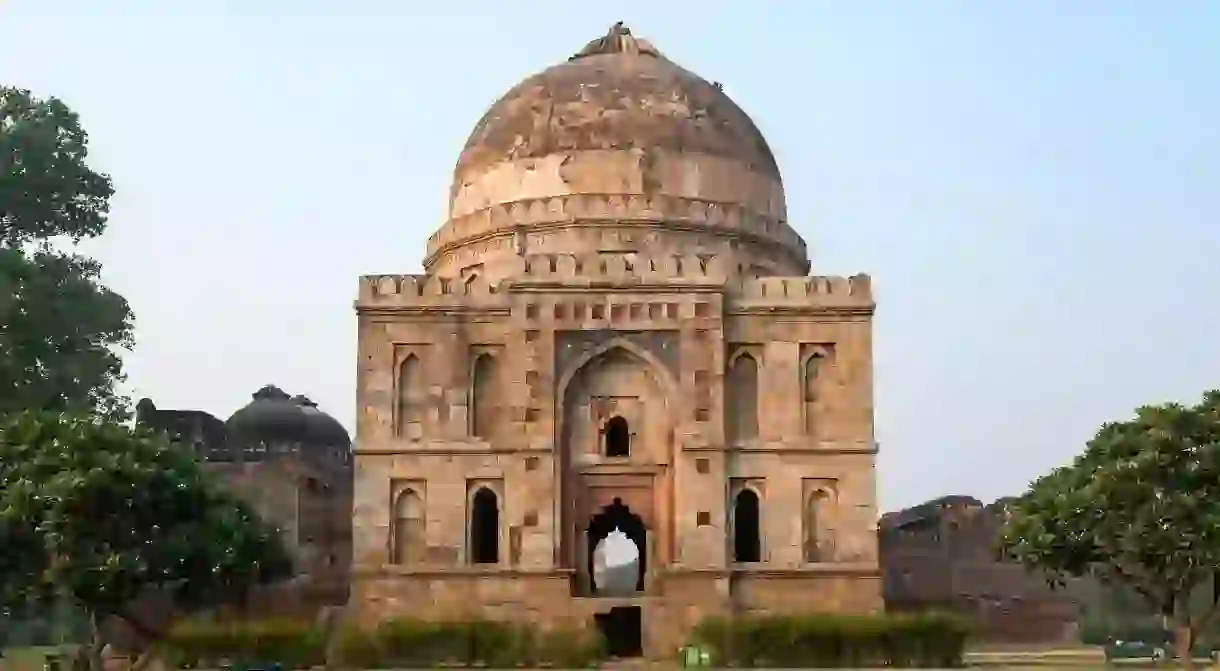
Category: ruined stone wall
[312,506]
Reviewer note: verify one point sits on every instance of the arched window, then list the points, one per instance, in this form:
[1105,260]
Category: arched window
[819,541]
[407,528]
[809,391]
[410,398]
[484,385]
[747,536]
[741,399]
[484,527]
[617,438]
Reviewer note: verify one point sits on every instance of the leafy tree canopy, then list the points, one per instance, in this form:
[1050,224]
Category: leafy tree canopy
[61,330]
[105,513]
[46,189]
[1140,506]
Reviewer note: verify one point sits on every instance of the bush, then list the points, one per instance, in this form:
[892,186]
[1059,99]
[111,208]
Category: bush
[295,644]
[410,643]
[1147,630]
[824,641]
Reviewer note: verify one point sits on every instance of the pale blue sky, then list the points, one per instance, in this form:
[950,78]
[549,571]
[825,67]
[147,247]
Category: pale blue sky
[1034,185]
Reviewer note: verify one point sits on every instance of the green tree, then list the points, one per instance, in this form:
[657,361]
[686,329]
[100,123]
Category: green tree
[110,516]
[1140,507]
[61,330]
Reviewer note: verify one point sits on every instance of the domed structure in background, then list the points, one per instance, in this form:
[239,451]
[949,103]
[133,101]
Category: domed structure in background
[292,463]
[614,331]
[275,422]
[617,134]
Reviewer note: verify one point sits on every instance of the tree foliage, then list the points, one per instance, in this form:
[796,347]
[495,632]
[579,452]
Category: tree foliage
[1140,507]
[61,330]
[105,513]
[46,188]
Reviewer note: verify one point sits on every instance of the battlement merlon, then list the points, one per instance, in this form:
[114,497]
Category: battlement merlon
[678,274]
[622,269]
[429,291]
[815,293]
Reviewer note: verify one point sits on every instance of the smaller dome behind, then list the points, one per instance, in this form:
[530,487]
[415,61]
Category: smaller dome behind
[274,417]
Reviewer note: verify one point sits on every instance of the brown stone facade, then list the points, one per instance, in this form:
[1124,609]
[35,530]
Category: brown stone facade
[291,464]
[943,555]
[614,331]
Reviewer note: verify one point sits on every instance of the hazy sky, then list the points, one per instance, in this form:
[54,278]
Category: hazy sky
[1034,185]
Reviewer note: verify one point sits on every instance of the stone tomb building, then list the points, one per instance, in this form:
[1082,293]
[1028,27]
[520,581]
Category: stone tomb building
[615,329]
[292,463]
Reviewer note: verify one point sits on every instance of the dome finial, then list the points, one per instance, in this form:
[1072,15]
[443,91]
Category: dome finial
[618,40]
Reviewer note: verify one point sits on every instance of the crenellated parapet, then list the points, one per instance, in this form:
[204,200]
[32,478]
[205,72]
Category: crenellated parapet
[853,293]
[629,268]
[390,291]
[608,271]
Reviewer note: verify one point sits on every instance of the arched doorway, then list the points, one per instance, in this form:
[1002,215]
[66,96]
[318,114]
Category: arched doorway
[747,536]
[616,404]
[618,516]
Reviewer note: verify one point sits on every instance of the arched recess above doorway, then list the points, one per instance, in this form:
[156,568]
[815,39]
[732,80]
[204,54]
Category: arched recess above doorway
[654,365]
[616,390]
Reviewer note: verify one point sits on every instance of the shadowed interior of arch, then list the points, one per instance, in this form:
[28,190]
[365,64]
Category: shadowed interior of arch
[484,527]
[617,438]
[618,516]
[747,543]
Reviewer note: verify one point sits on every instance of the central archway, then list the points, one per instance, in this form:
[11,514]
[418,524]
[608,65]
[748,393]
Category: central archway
[616,402]
[618,516]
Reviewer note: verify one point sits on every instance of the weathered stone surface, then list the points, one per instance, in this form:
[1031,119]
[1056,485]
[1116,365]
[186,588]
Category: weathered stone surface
[291,463]
[616,275]
[942,554]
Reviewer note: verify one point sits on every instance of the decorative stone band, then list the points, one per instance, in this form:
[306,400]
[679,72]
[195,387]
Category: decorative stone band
[625,172]
[729,218]
[676,275]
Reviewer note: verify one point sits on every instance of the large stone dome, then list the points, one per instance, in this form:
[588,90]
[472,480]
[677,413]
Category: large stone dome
[616,150]
[275,419]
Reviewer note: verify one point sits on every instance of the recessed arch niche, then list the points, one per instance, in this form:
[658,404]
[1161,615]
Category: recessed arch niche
[615,388]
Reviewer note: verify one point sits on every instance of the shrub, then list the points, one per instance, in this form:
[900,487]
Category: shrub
[902,640]
[293,643]
[411,643]
[1147,629]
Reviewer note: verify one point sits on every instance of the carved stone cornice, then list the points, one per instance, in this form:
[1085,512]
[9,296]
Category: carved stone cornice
[727,220]
[801,310]
[609,287]
[785,447]
[456,312]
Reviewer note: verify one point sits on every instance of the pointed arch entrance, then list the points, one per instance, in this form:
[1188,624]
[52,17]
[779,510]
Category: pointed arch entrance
[617,516]
[615,450]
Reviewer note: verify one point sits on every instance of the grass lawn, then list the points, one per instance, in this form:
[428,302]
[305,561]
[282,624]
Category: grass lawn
[30,659]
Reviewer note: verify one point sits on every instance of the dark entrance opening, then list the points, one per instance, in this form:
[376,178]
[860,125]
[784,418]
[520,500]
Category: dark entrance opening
[623,630]
[618,438]
[747,543]
[618,516]
[484,527]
